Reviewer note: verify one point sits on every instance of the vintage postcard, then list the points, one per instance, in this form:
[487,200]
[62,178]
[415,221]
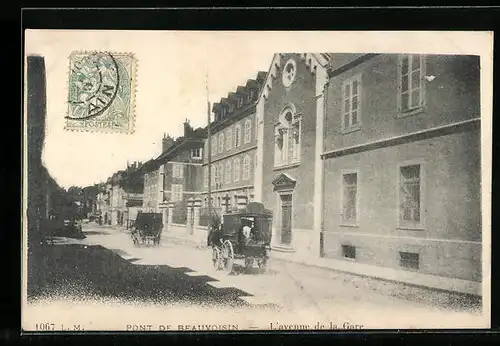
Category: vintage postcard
[209,181]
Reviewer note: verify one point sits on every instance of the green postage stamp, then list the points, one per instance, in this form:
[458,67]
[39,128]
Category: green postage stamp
[101,94]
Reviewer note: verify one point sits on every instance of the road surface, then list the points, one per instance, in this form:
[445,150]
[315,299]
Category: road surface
[132,287]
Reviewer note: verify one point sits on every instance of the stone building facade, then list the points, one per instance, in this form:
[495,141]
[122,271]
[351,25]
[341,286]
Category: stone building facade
[233,148]
[290,113]
[180,169]
[375,160]
[402,164]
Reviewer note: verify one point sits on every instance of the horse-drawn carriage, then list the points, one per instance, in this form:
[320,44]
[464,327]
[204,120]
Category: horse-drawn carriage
[147,228]
[244,235]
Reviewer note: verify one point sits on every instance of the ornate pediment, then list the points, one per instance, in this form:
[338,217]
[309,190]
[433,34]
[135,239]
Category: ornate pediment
[284,182]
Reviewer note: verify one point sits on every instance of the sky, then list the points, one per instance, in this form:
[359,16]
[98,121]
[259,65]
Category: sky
[171,82]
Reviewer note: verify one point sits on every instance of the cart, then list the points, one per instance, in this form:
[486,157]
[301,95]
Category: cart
[147,229]
[244,235]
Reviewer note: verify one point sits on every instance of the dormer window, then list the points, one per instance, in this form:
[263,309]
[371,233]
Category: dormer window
[196,153]
[251,94]
[240,102]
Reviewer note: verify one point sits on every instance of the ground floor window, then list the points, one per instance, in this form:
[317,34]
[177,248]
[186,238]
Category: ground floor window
[410,195]
[350,197]
[409,260]
[349,251]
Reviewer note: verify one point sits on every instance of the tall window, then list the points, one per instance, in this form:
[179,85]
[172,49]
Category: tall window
[411,73]
[177,190]
[351,91]
[214,145]
[248,130]
[350,197]
[228,172]
[237,135]
[214,175]
[287,135]
[205,176]
[294,141]
[281,136]
[246,167]
[229,139]
[221,143]
[409,195]
[220,175]
[177,170]
[236,170]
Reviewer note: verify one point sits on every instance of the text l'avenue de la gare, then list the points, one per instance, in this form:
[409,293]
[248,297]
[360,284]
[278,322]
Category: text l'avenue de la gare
[233,327]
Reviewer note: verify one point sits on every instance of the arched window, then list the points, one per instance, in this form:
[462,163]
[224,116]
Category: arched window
[248,130]
[228,172]
[236,170]
[237,135]
[246,167]
[287,134]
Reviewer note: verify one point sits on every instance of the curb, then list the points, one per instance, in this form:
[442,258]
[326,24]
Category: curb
[195,245]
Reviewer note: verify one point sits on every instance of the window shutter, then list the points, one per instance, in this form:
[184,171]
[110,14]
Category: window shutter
[423,73]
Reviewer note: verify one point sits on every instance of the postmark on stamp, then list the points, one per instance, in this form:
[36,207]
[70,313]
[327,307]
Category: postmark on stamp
[101,92]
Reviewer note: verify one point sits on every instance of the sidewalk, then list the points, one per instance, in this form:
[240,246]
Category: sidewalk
[425,281]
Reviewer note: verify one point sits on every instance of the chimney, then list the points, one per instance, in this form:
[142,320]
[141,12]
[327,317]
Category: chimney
[188,130]
[166,142]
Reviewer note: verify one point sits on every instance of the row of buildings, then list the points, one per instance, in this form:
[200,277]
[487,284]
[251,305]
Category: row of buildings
[369,158]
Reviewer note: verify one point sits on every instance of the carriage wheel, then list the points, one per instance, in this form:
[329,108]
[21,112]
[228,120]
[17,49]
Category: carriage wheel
[135,240]
[228,256]
[263,263]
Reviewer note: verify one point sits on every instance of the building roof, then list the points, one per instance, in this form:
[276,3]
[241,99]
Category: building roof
[312,60]
[232,99]
[190,136]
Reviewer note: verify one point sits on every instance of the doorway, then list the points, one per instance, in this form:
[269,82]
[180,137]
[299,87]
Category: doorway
[286,219]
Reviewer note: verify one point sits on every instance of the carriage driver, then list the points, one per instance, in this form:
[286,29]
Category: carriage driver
[215,231]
